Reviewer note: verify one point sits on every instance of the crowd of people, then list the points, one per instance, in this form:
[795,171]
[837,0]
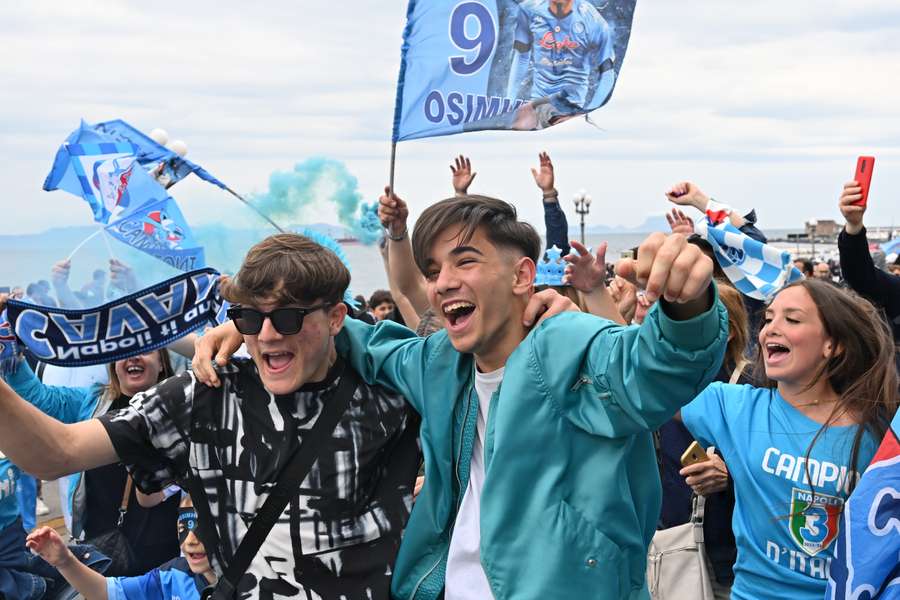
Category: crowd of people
[510,419]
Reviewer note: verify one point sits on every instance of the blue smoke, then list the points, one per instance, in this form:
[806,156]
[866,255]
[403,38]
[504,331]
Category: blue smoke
[314,180]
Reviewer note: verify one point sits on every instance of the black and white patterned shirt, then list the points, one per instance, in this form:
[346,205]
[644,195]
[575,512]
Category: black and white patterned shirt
[338,538]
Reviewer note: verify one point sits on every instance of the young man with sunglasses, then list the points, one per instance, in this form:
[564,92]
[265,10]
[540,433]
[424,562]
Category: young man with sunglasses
[338,537]
[540,471]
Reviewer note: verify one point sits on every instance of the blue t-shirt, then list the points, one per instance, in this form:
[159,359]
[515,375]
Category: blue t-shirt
[564,51]
[171,581]
[784,533]
[9,507]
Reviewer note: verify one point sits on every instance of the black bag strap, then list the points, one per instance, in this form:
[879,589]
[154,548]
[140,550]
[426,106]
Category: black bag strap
[292,475]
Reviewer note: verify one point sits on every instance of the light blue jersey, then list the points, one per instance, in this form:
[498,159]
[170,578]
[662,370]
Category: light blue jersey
[563,52]
[787,507]
[9,506]
[171,581]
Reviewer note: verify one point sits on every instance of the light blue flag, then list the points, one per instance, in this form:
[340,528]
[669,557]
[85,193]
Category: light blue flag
[866,564]
[757,270]
[506,64]
[158,228]
[152,154]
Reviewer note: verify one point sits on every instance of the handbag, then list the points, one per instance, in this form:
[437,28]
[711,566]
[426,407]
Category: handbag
[114,544]
[677,568]
[286,488]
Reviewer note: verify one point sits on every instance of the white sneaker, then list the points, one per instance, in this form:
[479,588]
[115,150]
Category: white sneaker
[41,509]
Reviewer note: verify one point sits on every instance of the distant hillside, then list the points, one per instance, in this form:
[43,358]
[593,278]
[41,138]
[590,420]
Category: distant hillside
[650,224]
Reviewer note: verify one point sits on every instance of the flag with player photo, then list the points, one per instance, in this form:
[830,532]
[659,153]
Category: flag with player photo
[507,64]
[866,564]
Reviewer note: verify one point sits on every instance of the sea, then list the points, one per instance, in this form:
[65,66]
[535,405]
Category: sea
[29,258]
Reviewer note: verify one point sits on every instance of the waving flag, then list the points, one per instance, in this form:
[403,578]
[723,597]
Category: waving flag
[506,64]
[757,270]
[158,228]
[866,564]
[151,154]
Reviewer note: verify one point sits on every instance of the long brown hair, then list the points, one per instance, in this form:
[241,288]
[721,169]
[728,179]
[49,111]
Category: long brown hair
[113,389]
[861,370]
[736,350]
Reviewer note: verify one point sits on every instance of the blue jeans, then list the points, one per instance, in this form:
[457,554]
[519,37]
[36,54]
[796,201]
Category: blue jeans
[26,494]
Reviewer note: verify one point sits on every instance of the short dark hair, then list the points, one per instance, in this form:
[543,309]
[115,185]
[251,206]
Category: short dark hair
[380,297]
[289,269]
[499,219]
[807,267]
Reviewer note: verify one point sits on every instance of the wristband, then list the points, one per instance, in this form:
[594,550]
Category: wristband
[393,238]
[551,194]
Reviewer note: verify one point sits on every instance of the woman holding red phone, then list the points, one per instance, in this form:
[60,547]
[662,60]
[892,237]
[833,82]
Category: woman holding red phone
[860,273]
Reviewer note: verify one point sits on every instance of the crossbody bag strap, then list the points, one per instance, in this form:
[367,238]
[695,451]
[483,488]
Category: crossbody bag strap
[126,496]
[285,488]
[738,370]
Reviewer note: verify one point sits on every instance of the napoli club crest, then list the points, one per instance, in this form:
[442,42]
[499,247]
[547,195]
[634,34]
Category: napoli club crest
[814,519]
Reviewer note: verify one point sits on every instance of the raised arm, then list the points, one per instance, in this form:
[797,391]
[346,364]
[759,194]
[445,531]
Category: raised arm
[632,379]
[857,266]
[45,447]
[587,274]
[59,277]
[686,193]
[463,176]
[394,213]
[555,223]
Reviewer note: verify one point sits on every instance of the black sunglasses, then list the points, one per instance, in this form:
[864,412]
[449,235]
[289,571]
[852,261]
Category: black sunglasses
[286,321]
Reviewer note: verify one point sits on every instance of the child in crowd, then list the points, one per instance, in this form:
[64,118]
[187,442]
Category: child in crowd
[184,577]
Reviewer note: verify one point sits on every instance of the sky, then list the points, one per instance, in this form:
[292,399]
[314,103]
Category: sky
[763,104]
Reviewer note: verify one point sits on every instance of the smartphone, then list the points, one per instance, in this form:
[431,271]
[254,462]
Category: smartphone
[693,455]
[864,166]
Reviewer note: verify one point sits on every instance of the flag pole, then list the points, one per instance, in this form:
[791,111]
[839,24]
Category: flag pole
[393,163]
[108,246]
[82,243]
[254,209]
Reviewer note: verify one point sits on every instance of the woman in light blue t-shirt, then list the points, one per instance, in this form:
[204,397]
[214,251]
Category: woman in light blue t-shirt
[796,446]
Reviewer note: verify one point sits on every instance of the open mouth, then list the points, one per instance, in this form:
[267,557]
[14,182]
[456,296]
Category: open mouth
[134,370]
[457,313]
[277,362]
[196,556]
[776,352]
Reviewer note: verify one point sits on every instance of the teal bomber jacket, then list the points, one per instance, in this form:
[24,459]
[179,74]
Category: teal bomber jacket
[571,494]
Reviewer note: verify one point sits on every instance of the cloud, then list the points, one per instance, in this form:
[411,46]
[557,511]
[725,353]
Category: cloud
[765,104]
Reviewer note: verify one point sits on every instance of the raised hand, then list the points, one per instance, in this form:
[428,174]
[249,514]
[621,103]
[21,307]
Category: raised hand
[852,212]
[680,222]
[585,272]
[462,174]
[543,175]
[624,294]
[393,212]
[122,276]
[59,273]
[686,193]
[668,267]
[45,542]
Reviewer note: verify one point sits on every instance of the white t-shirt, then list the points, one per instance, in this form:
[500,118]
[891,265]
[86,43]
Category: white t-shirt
[465,578]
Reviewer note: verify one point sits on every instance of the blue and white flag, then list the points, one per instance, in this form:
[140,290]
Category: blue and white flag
[866,564]
[506,64]
[149,153]
[98,170]
[9,353]
[757,270]
[140,322]
[158,228]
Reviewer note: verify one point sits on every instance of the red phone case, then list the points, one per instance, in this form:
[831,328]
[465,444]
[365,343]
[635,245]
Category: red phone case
[864,166]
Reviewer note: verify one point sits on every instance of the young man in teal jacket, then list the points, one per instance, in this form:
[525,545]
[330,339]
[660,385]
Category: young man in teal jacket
[540,473]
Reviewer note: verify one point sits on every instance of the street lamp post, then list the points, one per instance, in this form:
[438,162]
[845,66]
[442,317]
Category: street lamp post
[582,206]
